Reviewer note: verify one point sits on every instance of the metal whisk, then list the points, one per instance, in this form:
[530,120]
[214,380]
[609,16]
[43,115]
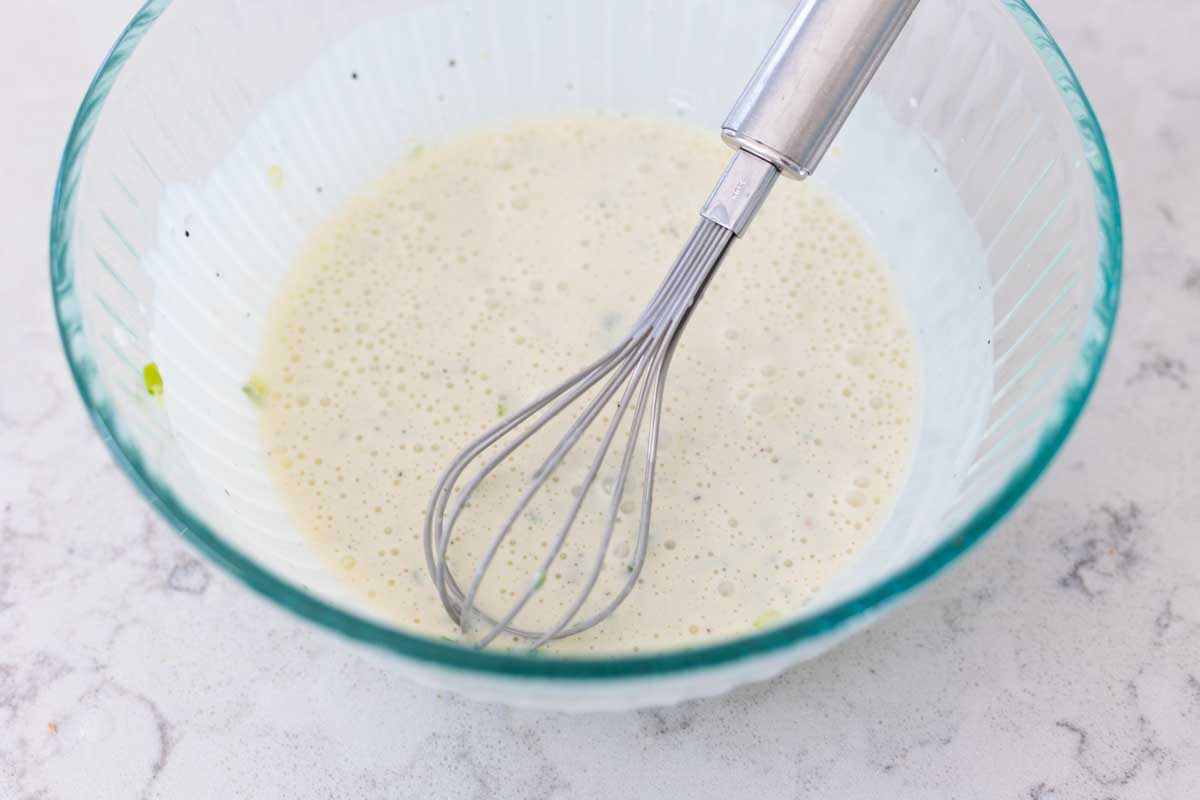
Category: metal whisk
[784,121]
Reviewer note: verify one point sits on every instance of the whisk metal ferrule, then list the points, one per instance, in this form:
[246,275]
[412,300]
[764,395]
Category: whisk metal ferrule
[740,192]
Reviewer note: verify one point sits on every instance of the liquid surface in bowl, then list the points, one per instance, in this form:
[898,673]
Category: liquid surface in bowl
[481,271]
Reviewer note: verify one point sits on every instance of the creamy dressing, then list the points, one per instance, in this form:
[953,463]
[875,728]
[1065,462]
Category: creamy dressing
[480,271]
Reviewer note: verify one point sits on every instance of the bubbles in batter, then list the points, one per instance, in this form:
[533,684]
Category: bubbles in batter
[481,271]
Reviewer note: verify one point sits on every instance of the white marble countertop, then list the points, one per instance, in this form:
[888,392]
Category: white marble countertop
[1060,660]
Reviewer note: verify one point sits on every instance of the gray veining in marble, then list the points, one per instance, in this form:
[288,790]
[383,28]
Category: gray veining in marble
[1060,660]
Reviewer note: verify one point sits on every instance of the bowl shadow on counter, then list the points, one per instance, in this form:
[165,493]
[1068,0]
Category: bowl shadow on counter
[993,644]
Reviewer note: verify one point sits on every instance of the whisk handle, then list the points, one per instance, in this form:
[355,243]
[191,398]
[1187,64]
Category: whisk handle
[811,79]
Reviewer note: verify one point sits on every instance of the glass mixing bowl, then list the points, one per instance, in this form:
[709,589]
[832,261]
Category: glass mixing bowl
[217,133]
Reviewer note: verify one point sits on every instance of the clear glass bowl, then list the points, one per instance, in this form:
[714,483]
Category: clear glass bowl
[216,133]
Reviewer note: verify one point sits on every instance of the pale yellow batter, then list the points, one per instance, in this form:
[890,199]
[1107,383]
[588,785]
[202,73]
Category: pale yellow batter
[481,271]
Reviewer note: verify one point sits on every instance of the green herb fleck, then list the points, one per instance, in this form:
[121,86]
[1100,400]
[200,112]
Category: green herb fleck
[768,617]
[152,379]
[256,390]
[500,409]
[541,580]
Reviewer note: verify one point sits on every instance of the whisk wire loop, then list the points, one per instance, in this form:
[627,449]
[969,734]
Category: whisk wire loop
[633,372]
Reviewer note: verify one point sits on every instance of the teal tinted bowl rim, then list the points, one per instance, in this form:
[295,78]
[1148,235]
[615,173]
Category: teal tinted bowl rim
[452,656]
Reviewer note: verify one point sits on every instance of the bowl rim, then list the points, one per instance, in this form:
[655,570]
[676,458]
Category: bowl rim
[440,654]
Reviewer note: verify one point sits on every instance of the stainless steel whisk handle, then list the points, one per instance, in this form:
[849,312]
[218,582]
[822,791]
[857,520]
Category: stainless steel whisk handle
[801,93]
[811,78]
